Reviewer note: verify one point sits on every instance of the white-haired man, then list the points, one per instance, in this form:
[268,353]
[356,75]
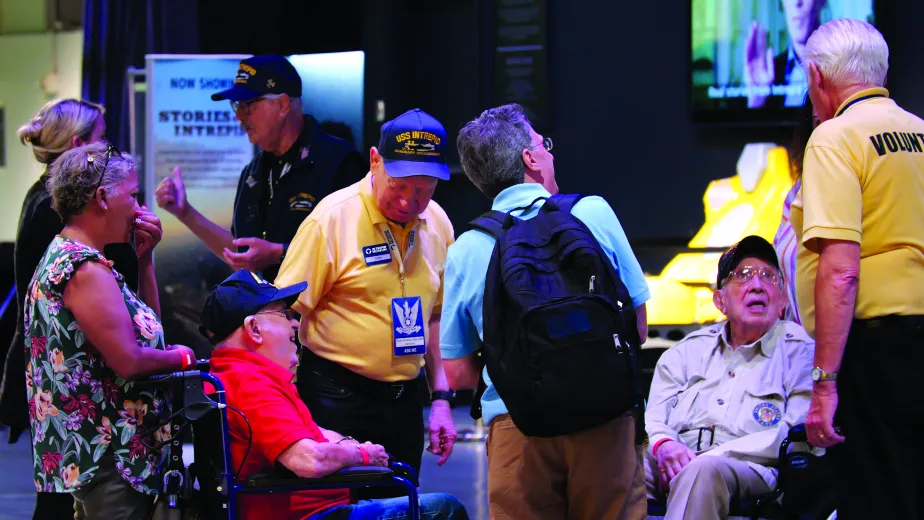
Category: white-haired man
[860,276]
[723,399]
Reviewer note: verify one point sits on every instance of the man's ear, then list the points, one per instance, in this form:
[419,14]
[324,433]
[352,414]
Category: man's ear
[718,298]
[252,328]
[815,75]
[529,159]
[285,105]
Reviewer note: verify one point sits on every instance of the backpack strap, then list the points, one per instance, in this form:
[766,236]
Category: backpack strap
[493,223]
[562,202]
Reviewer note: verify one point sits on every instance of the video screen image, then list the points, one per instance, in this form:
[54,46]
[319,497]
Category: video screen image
[746,54]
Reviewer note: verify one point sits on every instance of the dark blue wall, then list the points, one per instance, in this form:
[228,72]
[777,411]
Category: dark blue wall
[618,79]
[618,88]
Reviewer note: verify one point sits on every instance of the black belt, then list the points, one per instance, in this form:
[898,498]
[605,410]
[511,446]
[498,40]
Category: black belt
[699,439]
[389,391]
[893,321]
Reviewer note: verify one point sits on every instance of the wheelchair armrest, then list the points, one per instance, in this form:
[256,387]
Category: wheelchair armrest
[354,475]
[403,470]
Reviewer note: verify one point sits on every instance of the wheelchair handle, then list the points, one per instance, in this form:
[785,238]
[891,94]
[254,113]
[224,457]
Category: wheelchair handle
[163,378]
[797,433]
[202,365]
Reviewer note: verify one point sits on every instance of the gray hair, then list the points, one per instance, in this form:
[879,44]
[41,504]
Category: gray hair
[50,131]
[491,148]
[75,175]
[848,53]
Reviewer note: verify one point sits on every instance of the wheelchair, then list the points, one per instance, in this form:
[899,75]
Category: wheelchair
[801,484]
[210,487]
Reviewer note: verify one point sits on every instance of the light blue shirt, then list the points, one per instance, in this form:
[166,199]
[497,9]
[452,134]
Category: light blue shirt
[461,324]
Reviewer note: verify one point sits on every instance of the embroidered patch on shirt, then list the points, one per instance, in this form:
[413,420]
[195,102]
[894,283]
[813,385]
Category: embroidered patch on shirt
[767,414]
[302,202]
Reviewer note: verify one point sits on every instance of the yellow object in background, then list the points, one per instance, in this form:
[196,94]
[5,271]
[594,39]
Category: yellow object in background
[749,203]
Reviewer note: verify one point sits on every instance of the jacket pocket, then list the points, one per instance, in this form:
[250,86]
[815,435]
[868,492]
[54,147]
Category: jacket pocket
[763,406]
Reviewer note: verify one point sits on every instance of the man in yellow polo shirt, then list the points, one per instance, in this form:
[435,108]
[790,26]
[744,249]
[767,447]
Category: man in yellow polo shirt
[860,274]
[373,256]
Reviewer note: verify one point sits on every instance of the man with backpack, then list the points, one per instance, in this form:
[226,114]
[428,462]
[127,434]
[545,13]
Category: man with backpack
[546,288]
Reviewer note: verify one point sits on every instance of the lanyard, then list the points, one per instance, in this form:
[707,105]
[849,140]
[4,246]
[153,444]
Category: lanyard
[393,249]
[285,169]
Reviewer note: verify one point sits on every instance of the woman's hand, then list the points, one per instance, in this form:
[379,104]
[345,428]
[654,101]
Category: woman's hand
[188,356]
[148,232]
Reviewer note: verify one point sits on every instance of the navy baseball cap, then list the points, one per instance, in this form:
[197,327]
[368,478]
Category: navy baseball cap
[414,143]
[242,294]
[261,75]
[752,246]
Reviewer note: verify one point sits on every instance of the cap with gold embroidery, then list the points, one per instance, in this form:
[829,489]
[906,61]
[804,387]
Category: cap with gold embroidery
[414,143]
[241,295]
[261,75]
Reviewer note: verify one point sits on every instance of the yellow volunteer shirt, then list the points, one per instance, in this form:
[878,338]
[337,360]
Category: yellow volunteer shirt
[863,181]
[346,309]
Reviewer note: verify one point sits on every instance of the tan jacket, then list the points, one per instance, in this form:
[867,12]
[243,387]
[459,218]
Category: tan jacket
[749,397]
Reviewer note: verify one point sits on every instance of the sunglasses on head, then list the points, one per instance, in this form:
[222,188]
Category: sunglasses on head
[110,151]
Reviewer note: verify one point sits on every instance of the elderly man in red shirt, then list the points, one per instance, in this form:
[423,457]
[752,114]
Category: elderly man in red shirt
[250,323]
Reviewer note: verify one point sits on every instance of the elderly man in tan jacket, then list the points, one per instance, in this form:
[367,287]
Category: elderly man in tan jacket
[723,399]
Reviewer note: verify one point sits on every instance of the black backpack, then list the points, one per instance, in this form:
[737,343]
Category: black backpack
[560,333]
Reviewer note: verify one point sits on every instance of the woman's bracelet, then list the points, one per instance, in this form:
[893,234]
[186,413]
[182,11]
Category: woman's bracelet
[347,438]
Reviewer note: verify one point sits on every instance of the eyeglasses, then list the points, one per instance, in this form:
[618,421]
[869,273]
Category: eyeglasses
[243,107]
[765,274]
[289,314]
[546,142]
[110,150]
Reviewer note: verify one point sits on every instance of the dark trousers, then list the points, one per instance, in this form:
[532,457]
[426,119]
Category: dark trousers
[53,506]
[110,497]
[880,410]
[367,410]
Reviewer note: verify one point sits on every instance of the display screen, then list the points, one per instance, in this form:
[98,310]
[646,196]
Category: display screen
[746,54]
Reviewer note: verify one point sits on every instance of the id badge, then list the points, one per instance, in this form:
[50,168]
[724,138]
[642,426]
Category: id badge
[376,255]
[407,324]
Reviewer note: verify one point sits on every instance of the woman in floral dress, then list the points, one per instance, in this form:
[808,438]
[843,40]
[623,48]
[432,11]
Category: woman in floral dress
[57,127]
[88,336]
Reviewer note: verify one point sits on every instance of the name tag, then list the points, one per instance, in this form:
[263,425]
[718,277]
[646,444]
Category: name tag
[408,327]
[376,255]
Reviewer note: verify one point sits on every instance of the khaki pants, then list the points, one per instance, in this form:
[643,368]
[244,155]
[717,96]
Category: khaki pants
[596,474]
[705,487]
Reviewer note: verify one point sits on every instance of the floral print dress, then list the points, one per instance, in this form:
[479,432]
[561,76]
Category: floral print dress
[79,409]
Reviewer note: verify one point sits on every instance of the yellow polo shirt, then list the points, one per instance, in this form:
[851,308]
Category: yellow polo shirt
[346,309]
[863,181]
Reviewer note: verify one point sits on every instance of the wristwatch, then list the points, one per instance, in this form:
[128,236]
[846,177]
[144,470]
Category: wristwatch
[819,375]
[285,249]
[449,396]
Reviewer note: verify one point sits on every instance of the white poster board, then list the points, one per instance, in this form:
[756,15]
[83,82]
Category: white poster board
[185,128]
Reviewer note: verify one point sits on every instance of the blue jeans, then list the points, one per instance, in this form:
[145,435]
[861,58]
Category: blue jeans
[433,506]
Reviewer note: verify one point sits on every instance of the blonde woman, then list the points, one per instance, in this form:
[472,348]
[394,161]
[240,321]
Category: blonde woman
[59,126]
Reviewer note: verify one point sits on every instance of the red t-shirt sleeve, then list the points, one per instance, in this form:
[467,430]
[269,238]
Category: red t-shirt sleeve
[274,419]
